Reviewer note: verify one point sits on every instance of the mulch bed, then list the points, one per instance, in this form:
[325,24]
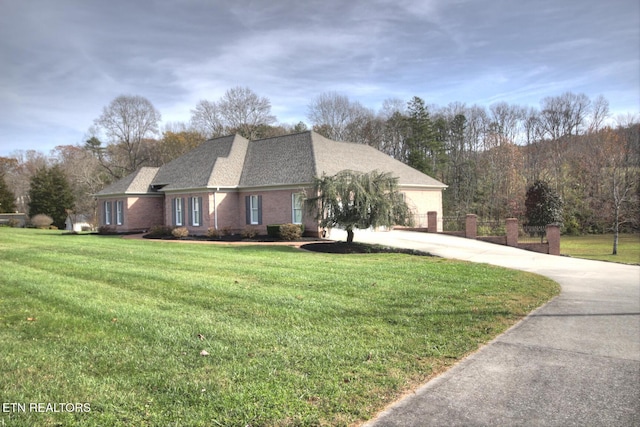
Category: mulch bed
[358,248]
[306,243]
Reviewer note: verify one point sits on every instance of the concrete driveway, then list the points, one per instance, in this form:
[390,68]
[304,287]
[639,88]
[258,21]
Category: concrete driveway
[574,361]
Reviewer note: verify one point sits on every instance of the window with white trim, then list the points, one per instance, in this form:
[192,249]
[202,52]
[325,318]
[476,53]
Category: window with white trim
[119,212]
[178,211]
[254,209]
[107,213]
[195,211]
[297,200]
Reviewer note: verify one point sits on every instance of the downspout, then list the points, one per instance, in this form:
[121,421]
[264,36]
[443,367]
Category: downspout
[215,209]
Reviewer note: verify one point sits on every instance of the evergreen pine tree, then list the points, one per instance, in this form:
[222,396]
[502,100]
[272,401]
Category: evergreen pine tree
[543,205]
[50,194]
[7,198]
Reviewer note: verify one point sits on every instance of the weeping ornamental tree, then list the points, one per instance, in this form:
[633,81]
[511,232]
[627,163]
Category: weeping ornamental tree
[543,205]
[351,200]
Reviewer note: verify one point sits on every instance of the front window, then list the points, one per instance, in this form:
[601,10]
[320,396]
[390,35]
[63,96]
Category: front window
[178,211]
[255,210]
[195,211]
[119,212]
[107,213]
[296,211]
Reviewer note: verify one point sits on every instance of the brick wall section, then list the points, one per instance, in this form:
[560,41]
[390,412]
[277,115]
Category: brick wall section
[553,238]
[277,208]
[471,226]
[231,210]
[512,231]
[140,212]
[228,215]
[143,213]
[432,222]
[206,208]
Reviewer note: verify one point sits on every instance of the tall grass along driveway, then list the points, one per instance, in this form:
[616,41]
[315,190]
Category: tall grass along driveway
[105,331]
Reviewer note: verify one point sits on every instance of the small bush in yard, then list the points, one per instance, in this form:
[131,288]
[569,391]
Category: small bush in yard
[249,233]
[290,231]
[106,229]
[160,231]
[214,233]
[180,232]
[273,230]
[42,221]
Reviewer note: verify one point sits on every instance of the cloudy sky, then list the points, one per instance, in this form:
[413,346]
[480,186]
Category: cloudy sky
[62,61]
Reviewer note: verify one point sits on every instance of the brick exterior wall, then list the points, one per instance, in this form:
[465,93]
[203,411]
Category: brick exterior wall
[231,210]
[277,208]
[140,212]
[206,209]
[226,210]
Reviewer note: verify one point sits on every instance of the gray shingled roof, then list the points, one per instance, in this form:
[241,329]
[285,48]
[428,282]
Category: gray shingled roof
[136,183]
[233,161]
[332,157]
[283,160]
[217,162]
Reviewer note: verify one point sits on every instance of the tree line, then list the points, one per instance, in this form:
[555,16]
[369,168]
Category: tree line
[488,156]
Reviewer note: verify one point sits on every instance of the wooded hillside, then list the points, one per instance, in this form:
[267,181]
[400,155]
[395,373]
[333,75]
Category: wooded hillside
[487,156]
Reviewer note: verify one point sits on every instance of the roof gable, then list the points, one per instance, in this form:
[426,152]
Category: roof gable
[216,162]
[138,182]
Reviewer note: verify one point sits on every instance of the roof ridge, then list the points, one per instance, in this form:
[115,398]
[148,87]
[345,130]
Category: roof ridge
[281,136]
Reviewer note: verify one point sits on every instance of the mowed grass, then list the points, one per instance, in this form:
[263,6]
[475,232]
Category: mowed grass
[600,247]
[293,338]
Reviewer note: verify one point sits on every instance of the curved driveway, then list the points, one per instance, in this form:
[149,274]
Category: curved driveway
[574,361]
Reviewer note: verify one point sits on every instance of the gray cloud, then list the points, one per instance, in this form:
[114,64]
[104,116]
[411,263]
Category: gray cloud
[63,61]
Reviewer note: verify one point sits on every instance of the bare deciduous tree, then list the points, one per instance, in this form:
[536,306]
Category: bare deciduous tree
[86,176]
[506,121]
[599,113]
[239,110]
[564,115]
[336,117]
[243,110]
[206,119]
[127,121]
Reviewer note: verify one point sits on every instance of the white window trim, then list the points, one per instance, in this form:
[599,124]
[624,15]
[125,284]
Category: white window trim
[195,211]
[107,213]
[254,210]
[179,211]
[119,212]
[295,208]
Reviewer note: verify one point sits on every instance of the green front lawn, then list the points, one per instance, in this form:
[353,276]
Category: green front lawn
[600,247]
[293,338]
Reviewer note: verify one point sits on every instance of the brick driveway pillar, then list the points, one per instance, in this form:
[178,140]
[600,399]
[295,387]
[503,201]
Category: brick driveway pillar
[432,222]
[553,238]
[512,231]
[471,226]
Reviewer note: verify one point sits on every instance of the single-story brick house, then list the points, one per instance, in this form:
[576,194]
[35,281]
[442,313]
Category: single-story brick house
[231,183]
